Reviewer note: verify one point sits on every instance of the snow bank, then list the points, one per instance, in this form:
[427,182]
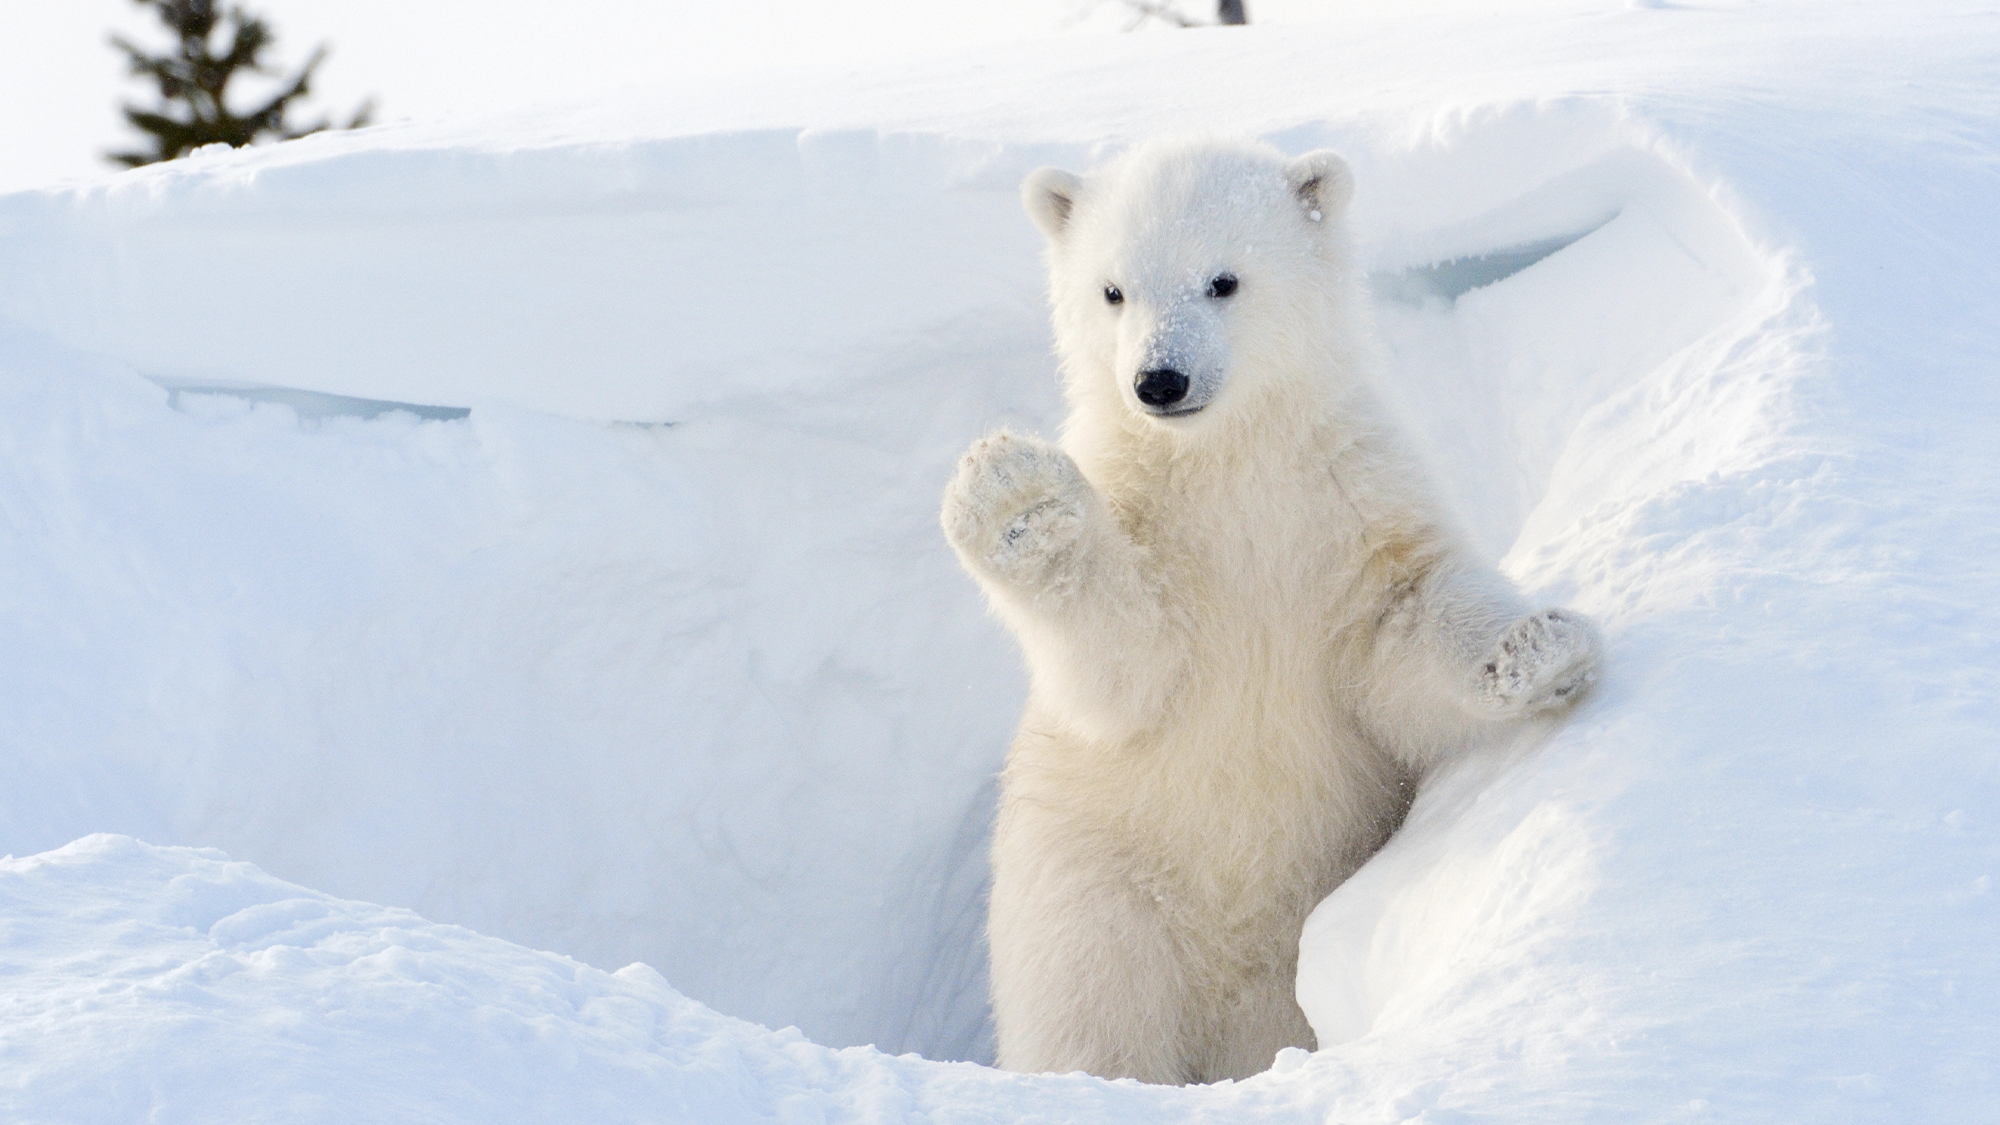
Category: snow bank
[629,691]
[172,984]
[639,643]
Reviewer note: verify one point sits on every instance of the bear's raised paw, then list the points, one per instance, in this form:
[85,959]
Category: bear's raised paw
[1542,664]
[1018,506]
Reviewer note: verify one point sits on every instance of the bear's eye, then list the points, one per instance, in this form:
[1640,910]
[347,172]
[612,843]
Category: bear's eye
[1222,285]
[1113,295]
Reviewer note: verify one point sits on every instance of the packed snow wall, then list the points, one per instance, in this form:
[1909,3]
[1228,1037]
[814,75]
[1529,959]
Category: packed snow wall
[654,655]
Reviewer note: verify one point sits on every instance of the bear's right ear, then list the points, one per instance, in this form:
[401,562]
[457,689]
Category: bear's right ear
[1049,194]
[1322,183]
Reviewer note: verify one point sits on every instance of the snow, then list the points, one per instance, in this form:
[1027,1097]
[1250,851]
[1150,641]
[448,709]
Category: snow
[639,643]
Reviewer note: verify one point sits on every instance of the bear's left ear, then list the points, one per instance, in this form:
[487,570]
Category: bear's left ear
[1049,194]
[1322,183]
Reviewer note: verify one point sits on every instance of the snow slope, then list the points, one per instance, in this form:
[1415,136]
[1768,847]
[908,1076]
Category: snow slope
[638,642]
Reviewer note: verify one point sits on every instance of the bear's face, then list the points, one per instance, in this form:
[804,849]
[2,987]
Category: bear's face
[1184,271]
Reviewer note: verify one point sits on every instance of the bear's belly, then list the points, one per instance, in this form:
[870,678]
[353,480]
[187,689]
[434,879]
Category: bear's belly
[1230,828]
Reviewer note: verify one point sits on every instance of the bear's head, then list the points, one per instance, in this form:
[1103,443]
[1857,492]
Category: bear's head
[1187,275]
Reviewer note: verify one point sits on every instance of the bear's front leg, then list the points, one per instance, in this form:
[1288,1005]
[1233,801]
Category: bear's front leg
[1066,579]
[1456,658]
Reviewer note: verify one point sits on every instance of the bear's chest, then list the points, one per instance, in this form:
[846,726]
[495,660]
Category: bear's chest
[1266,575]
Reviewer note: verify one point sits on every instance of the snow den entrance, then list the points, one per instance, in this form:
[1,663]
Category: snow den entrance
[639,641]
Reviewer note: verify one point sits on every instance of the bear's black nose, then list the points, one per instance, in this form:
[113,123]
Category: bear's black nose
[1162,386]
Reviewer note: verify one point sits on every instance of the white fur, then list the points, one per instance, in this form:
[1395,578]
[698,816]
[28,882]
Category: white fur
[1248,628]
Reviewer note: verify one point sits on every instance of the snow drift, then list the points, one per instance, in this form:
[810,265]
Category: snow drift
[532,525]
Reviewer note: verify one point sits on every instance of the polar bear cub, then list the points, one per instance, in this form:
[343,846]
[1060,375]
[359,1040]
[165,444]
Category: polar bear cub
[1249,627]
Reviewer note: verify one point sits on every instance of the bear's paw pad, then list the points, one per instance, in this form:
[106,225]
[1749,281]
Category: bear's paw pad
[1542,663]
[1016,503]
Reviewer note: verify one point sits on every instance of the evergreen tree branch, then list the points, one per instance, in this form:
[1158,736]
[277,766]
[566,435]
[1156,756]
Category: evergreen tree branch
[194,81]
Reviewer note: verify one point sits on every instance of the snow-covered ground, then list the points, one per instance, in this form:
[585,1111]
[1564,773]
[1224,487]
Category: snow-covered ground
[633,638]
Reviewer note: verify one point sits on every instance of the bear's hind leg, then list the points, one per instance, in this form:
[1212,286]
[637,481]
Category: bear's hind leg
[1260,1020]
[1085,977]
